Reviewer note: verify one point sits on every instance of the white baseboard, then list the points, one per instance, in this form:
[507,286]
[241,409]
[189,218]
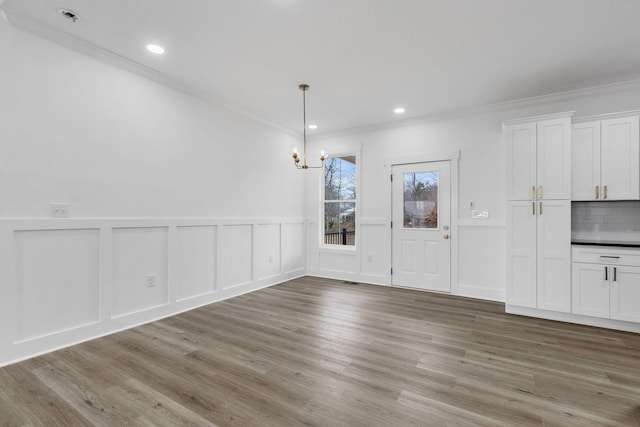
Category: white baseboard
[574,318]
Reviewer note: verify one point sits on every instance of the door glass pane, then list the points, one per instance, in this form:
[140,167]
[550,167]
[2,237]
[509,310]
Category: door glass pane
[421,200]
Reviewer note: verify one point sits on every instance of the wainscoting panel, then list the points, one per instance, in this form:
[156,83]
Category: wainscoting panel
[57,284]
[195,257]
[140,269]
[481,260]
[268,250]
[293,239]
[236,247]
[63,281]
[375,250]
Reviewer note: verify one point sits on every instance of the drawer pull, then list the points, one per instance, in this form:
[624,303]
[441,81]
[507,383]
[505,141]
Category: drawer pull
[597,192]
[606,273]
[605,191]
[615,274]
[609,257]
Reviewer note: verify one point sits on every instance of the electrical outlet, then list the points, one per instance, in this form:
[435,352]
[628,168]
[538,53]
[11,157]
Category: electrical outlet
[150,280]
[59,210]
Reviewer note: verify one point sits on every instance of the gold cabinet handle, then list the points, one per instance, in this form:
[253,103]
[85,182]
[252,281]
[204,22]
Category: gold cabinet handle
[605,191]
[540,192]
[533,192]
[597,192]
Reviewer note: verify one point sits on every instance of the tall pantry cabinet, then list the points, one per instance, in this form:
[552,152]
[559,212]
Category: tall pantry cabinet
[539,212]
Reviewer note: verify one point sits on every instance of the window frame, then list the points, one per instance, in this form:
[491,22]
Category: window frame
[327,247]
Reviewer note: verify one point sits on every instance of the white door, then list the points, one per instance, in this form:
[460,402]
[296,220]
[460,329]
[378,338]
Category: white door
[553,164]
[421,234]
[620,159]
[521,161]
[625,293]
[585,161]
[521,253]
[590,289]
[554,255]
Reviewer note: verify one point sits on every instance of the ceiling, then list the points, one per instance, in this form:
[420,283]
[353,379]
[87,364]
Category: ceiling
[362,58]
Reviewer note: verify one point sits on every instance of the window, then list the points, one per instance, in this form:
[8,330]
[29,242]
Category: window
[340,201]
[421,199]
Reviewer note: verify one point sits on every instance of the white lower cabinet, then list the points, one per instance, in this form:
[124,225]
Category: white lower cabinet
[539,251]
[606,283]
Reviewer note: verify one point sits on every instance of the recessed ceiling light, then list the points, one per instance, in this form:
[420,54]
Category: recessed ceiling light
[154,48]
[313,126]
[69,14]
[399,110]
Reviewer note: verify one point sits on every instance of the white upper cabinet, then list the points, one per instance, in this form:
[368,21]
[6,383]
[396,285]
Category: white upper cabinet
[539,159]
[585,161]
[620,154]
[554,159]
[521,161]
[606,159]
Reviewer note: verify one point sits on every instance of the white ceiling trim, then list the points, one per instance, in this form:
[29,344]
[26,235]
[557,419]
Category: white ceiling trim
[500,106]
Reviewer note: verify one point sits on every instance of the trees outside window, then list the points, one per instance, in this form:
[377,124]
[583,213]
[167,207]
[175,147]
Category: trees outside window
[340,201]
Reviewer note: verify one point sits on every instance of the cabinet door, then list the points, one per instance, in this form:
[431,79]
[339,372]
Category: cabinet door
[521,253]
[521,161]
[625,293]
[590,290]
[585,161]
[554,255]
[554,159]
[620,159]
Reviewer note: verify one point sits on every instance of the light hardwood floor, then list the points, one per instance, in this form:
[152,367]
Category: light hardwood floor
[319,352]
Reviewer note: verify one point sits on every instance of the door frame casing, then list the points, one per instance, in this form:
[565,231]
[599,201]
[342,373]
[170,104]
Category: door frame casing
[454,158]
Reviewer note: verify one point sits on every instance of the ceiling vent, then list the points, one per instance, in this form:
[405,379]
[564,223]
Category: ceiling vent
[69,14]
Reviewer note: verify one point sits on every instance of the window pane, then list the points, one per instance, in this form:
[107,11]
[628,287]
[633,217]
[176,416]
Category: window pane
[340,178]
[421,200]
[340,223]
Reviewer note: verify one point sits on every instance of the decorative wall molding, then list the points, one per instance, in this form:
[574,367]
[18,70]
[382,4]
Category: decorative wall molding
[70,280]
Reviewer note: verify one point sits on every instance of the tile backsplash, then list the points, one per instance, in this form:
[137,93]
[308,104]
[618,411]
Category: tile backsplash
[606,220]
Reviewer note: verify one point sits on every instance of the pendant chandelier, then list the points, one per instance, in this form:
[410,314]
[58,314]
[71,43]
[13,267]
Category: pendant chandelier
[296,156]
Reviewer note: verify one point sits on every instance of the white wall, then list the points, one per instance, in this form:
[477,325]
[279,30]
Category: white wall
[478,261]
[159,183]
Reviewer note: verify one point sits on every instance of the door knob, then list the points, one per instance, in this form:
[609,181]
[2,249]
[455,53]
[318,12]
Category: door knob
[446,236]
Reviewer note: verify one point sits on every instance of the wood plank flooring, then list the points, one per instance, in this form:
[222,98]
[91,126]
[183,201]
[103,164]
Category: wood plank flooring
[317,352]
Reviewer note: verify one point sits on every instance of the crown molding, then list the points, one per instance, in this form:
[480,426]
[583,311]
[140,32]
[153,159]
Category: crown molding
[488,108]
[606,116]
[561,115]
[25,23]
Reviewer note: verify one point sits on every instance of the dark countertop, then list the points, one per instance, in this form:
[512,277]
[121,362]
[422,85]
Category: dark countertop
[616,243]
